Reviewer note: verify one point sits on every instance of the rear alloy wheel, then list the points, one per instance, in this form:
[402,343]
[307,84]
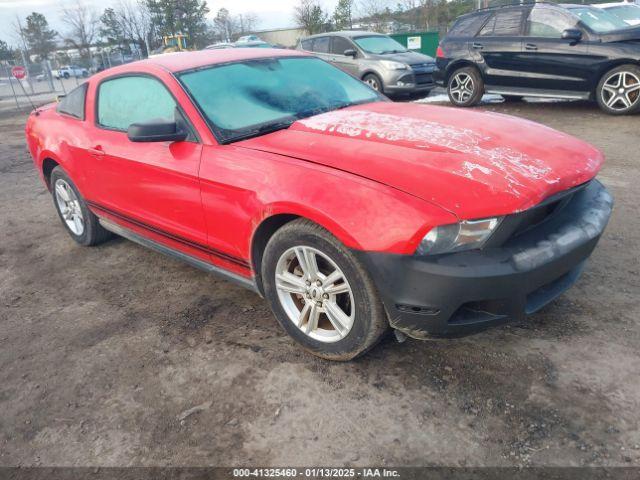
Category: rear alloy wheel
[320,292]
[78,220]
[374,82]
[619,90]
[465,87]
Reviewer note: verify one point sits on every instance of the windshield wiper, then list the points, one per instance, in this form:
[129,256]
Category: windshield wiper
[261,130]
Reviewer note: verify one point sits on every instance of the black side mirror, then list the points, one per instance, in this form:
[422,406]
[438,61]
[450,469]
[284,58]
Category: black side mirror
[156,131]
[350,53]
[572,34]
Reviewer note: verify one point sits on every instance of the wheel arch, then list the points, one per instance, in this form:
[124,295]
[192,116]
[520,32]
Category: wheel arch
[276,218]
[48,164]
[452,67]
[604,69]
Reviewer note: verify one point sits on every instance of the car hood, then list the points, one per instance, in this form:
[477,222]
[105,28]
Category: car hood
[410,58]
[470,163]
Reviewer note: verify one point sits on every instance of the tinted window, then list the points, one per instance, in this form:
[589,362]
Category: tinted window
[126,100]
[339,45]
[548,22]
[306,44]
[468,26]
[73,103]
[321,45]
[504,23]
[239,98]
[599,20]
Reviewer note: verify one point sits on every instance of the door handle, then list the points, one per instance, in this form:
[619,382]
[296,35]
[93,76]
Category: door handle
[477,46]
[96,151]
[531,46]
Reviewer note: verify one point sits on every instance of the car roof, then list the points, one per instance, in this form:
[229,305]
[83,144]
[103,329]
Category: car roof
[179,61]
[347,33]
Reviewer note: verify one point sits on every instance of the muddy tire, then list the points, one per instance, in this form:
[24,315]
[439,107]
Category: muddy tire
[81,224]
[320,293]
[465,87]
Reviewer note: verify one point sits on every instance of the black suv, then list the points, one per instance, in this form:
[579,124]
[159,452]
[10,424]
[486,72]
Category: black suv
[542,50]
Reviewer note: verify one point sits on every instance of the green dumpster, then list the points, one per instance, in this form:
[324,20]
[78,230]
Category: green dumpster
[423,42]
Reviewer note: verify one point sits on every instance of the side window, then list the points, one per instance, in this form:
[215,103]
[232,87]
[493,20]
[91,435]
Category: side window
[504,23]
[468,26]
[321,44]
[73,103]
[339,45]
[548,22]
[126,100]
[306,44]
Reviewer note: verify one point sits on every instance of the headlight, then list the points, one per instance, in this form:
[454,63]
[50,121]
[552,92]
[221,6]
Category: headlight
[465,235]
[389,65]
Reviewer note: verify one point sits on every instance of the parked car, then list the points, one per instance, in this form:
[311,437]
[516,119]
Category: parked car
[376,59]
[628,12]
[542,50]
[348,212]
[239,44]
[71,71]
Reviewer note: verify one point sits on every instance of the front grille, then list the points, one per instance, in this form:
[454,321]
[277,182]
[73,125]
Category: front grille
[424,78]
[517,224]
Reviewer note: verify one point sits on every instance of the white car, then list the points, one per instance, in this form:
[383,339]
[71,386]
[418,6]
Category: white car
[629,12]
[71,71]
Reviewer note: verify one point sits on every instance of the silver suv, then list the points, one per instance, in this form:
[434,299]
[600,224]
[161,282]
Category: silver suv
[376,59]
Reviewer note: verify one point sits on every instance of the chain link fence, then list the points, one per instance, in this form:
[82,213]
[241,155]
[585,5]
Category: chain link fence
[45,81]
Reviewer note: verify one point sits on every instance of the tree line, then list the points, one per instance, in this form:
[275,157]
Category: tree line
[129,24]
[380,15]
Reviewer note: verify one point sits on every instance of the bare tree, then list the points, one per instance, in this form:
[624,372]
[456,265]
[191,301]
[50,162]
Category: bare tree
[82,23]
[310,16]
[376,13]
[228,26]
[135,21]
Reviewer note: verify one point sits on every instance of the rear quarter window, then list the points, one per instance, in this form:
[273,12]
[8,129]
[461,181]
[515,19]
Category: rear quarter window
[306,44]
[73,103]
[468,26]
[504,23]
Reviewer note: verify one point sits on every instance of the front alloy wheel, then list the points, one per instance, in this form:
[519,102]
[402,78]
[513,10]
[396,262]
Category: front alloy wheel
[69,207]
[320,292]
[465,87]
[619,90]
[315,294]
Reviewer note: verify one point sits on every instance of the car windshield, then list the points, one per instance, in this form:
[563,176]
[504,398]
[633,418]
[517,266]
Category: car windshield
[630,14]
[250,98]
[379,44]
[598,20]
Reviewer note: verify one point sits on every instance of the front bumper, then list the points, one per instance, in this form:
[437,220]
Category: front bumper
[410,81]
[460,293]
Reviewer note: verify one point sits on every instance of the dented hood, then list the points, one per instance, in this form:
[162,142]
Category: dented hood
[473,164]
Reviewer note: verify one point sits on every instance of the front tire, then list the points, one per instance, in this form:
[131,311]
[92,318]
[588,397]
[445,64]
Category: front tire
[618,92]
[79,222]
[320,293]
[374,82]
[465,87]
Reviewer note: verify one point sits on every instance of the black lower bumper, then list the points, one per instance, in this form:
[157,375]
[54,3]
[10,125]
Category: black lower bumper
[456,294]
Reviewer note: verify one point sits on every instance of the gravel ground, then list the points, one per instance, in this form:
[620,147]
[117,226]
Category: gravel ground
[118,356]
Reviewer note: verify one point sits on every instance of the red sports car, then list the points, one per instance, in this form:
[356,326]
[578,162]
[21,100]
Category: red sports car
[349,213]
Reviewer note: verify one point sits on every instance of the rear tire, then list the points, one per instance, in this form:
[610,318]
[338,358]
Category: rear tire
[465,87]
[320,293]
[618,92]
[79,222]
[374,82]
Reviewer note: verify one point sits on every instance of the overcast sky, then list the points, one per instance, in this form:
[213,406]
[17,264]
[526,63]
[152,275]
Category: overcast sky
[271,13]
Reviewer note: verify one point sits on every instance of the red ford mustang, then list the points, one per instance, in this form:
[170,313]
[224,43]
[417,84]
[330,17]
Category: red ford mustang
[349,213]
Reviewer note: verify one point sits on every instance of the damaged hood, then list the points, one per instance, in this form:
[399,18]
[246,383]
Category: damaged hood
[473,164]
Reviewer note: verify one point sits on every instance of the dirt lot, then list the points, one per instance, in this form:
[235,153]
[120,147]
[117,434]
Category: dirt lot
[119,356]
